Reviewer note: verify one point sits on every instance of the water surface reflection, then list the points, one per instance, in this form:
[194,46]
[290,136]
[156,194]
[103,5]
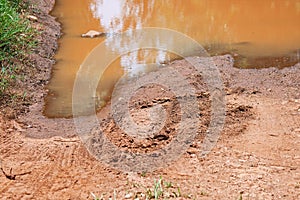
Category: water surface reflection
[258,33]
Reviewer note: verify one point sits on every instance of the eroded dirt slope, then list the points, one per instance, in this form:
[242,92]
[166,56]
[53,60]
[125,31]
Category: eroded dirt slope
[257,155]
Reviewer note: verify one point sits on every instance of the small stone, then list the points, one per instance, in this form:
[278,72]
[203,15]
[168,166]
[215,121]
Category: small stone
[144,145]
[128,196]
[259,177]
[193,156]
[192,151]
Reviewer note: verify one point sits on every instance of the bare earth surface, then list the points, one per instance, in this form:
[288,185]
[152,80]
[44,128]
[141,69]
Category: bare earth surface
[257,155]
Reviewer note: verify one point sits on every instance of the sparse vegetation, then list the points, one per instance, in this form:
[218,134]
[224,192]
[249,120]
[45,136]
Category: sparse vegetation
[157,189]
[16,40]
[161,189]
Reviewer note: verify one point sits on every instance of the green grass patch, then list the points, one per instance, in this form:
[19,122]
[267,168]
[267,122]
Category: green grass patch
[16,40]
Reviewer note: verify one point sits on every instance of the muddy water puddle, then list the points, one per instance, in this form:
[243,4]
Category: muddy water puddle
[257,33]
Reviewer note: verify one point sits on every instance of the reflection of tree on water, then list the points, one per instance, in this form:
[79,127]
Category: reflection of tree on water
[122,15]
[265,28]
[127,15]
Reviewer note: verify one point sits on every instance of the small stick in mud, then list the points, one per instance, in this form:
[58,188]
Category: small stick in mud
[12,176]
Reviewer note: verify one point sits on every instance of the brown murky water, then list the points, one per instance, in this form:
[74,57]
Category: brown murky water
[258,33]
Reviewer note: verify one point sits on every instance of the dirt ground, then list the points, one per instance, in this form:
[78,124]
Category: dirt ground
[256,157]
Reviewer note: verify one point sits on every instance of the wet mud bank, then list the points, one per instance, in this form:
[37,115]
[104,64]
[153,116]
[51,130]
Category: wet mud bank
[42,58]
[36,69]
[42,61]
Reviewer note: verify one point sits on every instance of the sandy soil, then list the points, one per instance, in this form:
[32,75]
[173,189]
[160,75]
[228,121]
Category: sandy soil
[256,157]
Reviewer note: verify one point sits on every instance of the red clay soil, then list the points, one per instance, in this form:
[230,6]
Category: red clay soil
[256,157]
